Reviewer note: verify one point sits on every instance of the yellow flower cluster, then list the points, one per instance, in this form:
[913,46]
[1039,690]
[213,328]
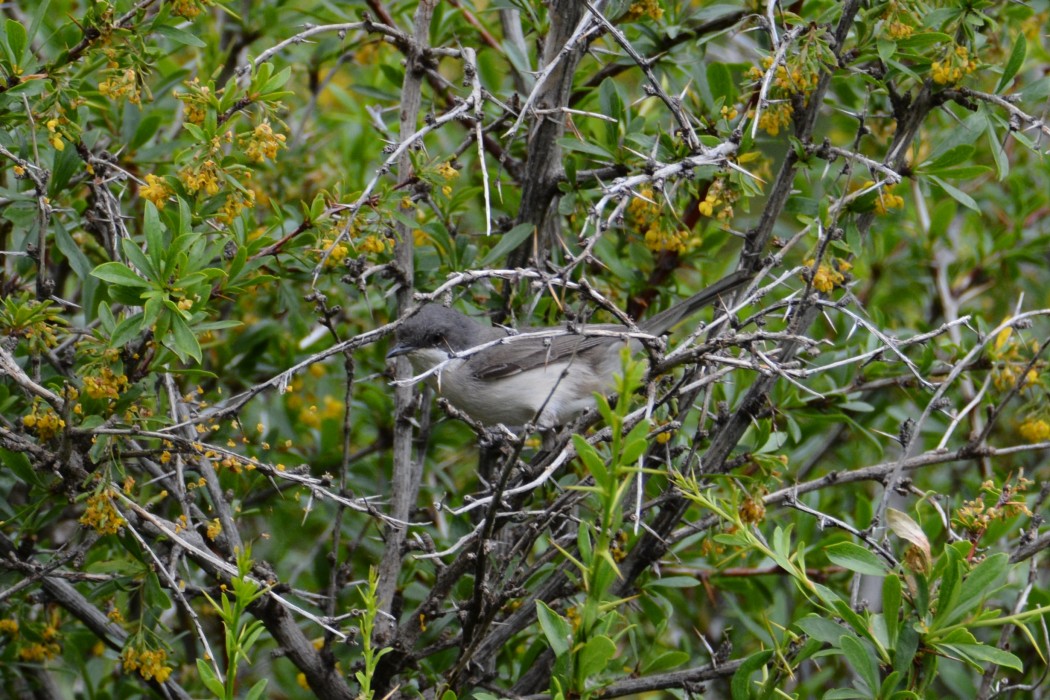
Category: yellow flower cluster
[721,196]
[373,244]
[336,256]
[150,663]
[44,421]
[951,69]
[312,416]
[101,515]
[204,176]
[775,116]
[122,83]
[106,385]
[262,143]
[1009,357]
[644,8]
[887,200]
[195,101]
[37,652]
[752,510]
[447,172]
[897,21]
[1034,430]
[236,201]
[9,627]
[54,135]
[188,8]
[644,213]
[156,190]
[214,529]
[658,239]
[975,516]
[826,276]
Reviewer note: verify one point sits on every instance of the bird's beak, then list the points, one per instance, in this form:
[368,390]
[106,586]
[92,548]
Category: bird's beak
[398,350]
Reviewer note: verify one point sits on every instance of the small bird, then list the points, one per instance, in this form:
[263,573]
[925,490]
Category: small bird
[544,380]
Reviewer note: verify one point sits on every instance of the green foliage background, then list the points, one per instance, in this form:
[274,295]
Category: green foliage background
[209,215]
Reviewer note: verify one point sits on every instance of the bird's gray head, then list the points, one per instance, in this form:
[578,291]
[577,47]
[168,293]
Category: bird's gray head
[435,327]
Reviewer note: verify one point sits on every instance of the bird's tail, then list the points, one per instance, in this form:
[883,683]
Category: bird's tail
[667,319]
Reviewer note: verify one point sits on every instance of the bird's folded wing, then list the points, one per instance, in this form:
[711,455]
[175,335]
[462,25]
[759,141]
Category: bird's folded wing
[529,354]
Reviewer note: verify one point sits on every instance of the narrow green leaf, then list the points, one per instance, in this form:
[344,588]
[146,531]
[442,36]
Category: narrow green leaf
[555,628]
[740,686]
[1014,63]
[984,653]
[119,273]
[185,342]
[891,604]
[956,194]
[257,690]
[983,581]
[180,36]
[861,660]
[508,242]
[856,558]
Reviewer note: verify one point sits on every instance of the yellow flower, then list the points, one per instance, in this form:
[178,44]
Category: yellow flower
[825,278]
[262,143]
[446,171]
[202,177]
[101,515]
[214,529]
[156,191]
[1034,430]
[373,244]
[150,663]
[642,8]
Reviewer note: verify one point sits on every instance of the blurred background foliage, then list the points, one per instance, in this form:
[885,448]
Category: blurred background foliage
[216,205]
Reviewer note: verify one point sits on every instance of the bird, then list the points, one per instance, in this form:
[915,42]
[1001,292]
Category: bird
[544,380]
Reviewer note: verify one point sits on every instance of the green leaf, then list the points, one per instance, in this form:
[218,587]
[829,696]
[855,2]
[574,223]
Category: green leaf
[720,82]
[740,686]
[666,661]
[891,603]
[136,257]
[822,629]
[17,40]
[983,581]
[957,194]
[208,677]
[257,690]
[998,149]
[592,460]
[1014,63]
[555,628]
[861,660]
[126,331]
[120,274]
[180,36]
[953,156]
[856,558]
[68,247]
[983,653]
[185,342]
[578,146]
[673,582]
[508,242]
[594,657]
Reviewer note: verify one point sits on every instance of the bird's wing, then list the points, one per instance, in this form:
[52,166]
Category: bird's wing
[533,353]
